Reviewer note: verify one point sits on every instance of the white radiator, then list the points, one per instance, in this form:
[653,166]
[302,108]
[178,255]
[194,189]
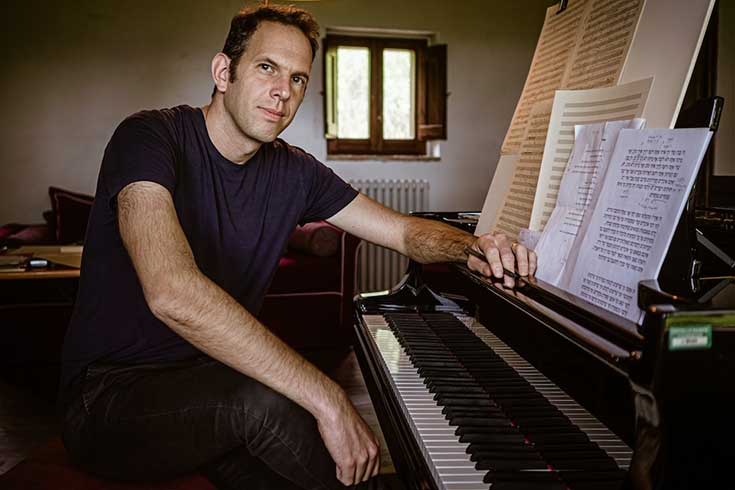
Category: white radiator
[379,268]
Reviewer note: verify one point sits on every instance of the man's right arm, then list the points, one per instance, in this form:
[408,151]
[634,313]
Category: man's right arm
[182,297]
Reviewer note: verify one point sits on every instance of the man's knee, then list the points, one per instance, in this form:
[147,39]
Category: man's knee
[268,414]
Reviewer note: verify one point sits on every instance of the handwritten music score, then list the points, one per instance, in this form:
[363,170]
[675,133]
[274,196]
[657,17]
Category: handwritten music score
[550,60]
[515,212]
[571,108]
[605,37]
[578,194]
[642,196]
[585,46]
[548,143]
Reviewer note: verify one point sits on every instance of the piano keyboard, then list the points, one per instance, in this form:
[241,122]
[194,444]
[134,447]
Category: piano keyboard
[465,437]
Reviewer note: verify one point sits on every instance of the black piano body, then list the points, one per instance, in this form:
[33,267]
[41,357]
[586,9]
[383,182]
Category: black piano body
[664,388]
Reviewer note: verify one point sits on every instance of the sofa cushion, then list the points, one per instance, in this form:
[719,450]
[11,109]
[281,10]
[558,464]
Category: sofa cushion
[307,321]
[72,212]
[300,272]
[31,235]
[319,238]
[16,235]
[8,230]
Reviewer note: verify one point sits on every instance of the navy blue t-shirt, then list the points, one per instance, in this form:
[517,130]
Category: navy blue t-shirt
[237,220]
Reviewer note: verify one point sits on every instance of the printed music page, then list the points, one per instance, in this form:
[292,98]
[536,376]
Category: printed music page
[553,51]
[518,201]
[572,107]
[643,194]
[665,47]
[494,199]
[593,147]
[602,45]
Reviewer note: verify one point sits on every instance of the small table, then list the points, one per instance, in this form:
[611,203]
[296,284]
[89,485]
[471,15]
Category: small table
[66,273]
[56,283]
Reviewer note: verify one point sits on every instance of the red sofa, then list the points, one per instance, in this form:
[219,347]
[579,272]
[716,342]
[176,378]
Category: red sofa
[309,303]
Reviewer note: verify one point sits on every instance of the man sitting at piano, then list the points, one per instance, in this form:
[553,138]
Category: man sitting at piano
[166,369]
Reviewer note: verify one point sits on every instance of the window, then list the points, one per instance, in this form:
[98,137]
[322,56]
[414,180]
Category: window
[383,95]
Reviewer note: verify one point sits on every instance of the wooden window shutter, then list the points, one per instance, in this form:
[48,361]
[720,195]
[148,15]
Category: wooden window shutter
[330,90]
[433,103]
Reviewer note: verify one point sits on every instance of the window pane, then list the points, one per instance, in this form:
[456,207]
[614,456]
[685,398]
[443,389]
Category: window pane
[398,94]
[353,92]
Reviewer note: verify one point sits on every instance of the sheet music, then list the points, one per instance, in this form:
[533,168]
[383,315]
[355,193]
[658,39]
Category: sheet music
[553,51]
[572,107]
[602,45]
[496,194]
[665,47]
[642,197]
[598,43]
[518,202]
[583,47]
[593,147]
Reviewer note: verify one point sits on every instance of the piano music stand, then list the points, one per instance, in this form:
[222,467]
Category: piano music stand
[688,244]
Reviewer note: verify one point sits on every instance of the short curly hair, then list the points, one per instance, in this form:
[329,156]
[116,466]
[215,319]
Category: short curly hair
[246,22]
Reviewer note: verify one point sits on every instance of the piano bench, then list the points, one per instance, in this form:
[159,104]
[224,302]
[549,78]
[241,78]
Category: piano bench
[50,468]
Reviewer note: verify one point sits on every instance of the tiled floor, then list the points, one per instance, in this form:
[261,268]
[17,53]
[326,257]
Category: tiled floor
[27,421]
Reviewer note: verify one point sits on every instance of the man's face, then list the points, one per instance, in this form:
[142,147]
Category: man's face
[271,81]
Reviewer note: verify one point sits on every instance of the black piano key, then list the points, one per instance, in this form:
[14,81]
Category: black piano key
[467,411]
[491,447]
[539,476]
[445,366]
[550,442]
[480,421]
[457,372]
[565,453]
[488,431]
[526,485]
[491,414]
[465,401]
[511,437]
[588,465]
[511,464]
[467,387]
[517,397]
[521,452]
[535,416]
[429,371]
[564,448]
[455,380]
[508,424]
[531,423]
[546,428]
[459,389]
[579,476]
[511,404]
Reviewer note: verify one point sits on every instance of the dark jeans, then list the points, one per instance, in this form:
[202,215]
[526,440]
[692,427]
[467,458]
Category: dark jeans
[158,421]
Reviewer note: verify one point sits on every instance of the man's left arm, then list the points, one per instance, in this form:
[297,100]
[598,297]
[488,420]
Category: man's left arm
[428,241]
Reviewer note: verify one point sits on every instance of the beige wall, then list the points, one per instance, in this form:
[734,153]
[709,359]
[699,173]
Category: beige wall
[73,69]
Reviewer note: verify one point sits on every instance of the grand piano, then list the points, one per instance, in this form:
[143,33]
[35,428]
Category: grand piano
[479,386]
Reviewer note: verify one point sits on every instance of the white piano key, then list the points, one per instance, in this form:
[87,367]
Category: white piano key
[446,457]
